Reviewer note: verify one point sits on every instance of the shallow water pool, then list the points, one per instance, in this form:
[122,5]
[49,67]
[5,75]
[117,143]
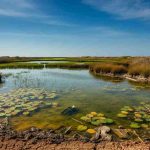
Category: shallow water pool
[73,87]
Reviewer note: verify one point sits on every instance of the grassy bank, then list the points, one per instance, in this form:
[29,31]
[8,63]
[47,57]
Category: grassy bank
[140,67]
[70,59]
[137,68]
[40,66]
[132,66]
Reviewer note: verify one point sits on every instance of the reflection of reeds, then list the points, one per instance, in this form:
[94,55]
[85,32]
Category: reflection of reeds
[102,68]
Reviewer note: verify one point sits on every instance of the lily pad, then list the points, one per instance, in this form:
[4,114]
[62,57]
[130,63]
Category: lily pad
[145,126]
[124,112]
[81,128]
[93,113]
[138,115]
[85,118]
[91,131]
[134,125]
[109,121]
[138,120]
[121,115]
[96,123]
[100,115]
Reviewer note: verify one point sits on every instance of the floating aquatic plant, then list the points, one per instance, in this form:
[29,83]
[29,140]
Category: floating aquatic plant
[97,119]
[25,100]
[91,131]
[145,126]
[81,128]
[121,115]
[134,125]
[138,115]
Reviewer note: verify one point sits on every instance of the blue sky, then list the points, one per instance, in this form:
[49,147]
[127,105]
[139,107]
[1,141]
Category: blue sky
[74,27]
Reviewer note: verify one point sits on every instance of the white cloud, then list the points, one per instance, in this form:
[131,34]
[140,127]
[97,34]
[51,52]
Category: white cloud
[107,31]
[16,8]
[124,9]
[29,9]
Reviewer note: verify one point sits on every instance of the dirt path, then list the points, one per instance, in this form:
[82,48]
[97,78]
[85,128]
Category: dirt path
[10,144]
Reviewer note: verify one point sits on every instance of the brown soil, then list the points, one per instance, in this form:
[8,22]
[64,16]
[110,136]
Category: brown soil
[14,144]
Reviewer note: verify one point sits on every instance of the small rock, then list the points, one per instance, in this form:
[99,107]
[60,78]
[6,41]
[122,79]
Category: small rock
[70,111]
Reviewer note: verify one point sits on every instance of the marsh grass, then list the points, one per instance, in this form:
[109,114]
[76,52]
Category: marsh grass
[134,66]
[20,65]
[140,67]
[102,68]
[40,66]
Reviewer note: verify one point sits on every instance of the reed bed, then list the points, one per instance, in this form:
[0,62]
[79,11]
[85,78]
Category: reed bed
[140,70]
[140,67]
[102,68]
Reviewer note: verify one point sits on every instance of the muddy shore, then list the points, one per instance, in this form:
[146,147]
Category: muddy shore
[140,79]
[38,139]
[13,144]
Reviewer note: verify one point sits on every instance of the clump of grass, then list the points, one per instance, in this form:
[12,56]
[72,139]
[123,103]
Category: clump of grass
[140,70]
[102,68]
[140,67]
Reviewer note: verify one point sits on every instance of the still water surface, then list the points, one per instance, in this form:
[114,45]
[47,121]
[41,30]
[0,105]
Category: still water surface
[73,87]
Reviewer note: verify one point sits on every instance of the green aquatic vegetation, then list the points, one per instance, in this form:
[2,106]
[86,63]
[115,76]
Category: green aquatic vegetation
[134,125]
[139,115]
[24,100]
[145,126]
[121,115]
[2,114]
[91,131]
[109,121]
[138,120]
[81,128]
[124,112]
[26,113]
[85,118]
[127,109]
[100,115]
[97,119]
[96,122]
